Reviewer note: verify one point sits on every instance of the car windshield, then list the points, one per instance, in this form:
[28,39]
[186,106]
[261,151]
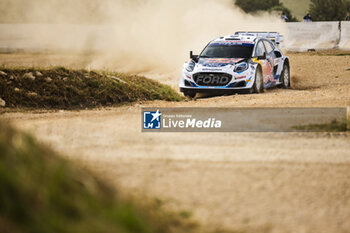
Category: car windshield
[227,51]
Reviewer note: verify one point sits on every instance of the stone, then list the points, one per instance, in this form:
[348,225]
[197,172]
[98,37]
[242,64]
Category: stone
[2,103]
[117,79]
[17,89]
[29,76]
[48,79]
[32,94]
[2,73]
[38,73]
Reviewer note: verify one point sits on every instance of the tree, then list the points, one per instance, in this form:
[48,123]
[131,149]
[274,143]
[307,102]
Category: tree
[348,6]
[329,10]
[282,8]
[252,6]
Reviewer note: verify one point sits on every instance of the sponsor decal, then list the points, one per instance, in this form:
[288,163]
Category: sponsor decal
[212,79]
[267,71]
[232,43]
[208,69]
[248,80]
[218,62]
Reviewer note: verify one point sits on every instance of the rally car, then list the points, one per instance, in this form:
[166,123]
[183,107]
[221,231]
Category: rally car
[248,61]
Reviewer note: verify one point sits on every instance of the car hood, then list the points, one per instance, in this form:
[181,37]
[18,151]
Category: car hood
[218,62]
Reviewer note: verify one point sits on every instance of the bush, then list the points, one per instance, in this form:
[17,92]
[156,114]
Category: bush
[282,8]
[329,10]
[60,88]
[252,6]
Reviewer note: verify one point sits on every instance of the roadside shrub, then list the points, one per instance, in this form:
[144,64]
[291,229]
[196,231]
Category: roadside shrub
[329,10]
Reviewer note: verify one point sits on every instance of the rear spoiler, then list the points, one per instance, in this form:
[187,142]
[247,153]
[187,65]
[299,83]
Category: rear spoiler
[275,37]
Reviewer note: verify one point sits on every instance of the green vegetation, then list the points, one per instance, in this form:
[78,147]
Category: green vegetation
[329,52]
[334,54]
[60,88]
[329,10]
[43,193]
[321,10]
[255,5]
[297,7]
[252,6]
[281,8]
[334,126]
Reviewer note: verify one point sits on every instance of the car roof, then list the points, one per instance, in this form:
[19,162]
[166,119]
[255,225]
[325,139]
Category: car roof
[238,38]
[251,38]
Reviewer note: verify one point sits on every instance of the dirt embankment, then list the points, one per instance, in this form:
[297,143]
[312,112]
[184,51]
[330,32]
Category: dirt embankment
[61,88]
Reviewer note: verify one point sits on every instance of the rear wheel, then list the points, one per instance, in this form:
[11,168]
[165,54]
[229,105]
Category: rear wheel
[258,86]
[190,94]
[285,77]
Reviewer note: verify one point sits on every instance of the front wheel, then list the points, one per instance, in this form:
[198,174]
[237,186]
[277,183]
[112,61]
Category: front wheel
[285,77]
[258,86]
[190,94]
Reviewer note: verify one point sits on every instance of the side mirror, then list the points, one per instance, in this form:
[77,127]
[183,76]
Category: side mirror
[193,57]
[263,57]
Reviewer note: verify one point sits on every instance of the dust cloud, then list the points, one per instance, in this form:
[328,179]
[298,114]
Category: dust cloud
[142,37]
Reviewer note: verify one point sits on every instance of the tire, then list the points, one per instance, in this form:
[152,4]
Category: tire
[258,86]
[190,94]
[285,77]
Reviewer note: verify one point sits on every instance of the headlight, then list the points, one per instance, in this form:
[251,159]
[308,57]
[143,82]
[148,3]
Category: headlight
[241,67]
[190,66]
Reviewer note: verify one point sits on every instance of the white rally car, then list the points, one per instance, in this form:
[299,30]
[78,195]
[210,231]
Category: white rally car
[250,61]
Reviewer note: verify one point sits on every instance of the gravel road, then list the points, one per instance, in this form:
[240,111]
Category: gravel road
[246,182]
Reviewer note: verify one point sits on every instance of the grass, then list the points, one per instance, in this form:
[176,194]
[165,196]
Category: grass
[298,7]
[331,52]
[327,52]
[334,126]
[41,192]
[334,54]
[61,88]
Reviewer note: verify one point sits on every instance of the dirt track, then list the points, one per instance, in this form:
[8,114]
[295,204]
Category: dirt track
[267,182]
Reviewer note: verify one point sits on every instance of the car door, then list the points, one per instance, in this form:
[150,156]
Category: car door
[273,60]
[267,69]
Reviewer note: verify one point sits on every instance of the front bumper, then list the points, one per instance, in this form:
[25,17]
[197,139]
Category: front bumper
[230,82]
[214,90]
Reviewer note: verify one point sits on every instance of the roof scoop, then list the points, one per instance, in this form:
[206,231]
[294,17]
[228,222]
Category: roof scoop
[232,38]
